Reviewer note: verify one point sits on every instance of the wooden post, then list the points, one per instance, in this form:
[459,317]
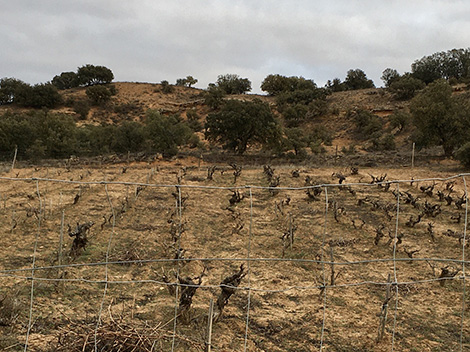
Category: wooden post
[14,158]
[413,156]
[384,312]
[209,325]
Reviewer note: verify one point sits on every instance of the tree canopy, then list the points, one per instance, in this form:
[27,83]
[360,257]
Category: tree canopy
[449,64]
[233,84]
[90,75]
[239,123]
[277,84]
[440,118]
[186,82]
[66,80]
[389,75]
[9,89]
[405,87]
[357,79]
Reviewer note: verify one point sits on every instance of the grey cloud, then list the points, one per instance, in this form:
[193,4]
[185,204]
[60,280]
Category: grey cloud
[155,40]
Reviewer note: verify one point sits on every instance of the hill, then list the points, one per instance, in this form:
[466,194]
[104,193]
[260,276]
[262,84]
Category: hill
[336,121]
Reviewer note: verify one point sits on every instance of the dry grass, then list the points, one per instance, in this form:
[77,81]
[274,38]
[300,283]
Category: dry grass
[286,298]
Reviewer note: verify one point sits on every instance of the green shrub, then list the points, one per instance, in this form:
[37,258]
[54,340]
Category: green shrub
[82,108]
[126,108]
[294,114]
[317,148]
[128,137]
[241,123]
[214,97]
[195,142]
[66,80]
[366,123]
[318,107]
[166,87]
[384,142]
[233,84]
[90,75]
[463,155]
[406,87]
[166,133]
[351,149]
[400,119]
[192,114]
[38,96]
[98,95]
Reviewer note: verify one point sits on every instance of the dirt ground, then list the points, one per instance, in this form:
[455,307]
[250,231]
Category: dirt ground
[318,273]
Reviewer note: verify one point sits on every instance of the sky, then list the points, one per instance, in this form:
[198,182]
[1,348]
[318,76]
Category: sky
[155,40]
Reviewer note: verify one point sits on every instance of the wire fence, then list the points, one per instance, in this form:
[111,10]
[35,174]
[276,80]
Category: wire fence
[319,215]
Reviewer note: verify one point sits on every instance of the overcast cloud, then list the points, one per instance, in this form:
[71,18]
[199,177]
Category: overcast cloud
[153,40]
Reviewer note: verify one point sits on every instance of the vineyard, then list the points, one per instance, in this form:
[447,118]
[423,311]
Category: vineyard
[186,257]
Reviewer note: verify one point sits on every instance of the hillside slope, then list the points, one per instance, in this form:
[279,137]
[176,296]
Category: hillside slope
[132,100]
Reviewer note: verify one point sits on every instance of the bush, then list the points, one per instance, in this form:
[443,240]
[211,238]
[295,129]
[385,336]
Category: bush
[90,75]
[463,155]
[82,108]
[400,120]
[351,149]
[193,120]
[9,88]
[98,95]
[276,84]
[127,108]
[233,84]
[318,107]
[128,137]
[112,89]
[240,123]
[366,123]
[66,80]
[317,148]
[303,96]
[336,85]
[389,76]
[38,96]
[385,142]
[406,87]
[166,87]
[195,142]
[441,118]
[357,79]
[166,133]
[294,114]
[214,97]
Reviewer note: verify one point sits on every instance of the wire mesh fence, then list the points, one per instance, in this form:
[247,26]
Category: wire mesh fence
[102,265]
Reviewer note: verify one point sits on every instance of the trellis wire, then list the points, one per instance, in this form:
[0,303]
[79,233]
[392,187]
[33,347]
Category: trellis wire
[236,259]
[243,288]
[143,184]
[248,259]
